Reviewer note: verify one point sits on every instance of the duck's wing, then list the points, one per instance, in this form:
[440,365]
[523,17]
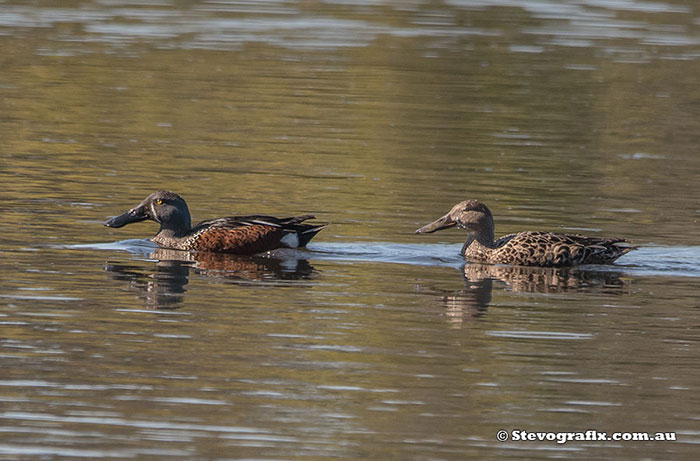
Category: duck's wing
[232,222]
[598,250]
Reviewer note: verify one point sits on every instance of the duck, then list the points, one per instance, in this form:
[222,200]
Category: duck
[239,235]
[529,248]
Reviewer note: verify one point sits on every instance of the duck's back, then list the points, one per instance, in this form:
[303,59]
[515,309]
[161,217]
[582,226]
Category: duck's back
[246,235]
[549,249]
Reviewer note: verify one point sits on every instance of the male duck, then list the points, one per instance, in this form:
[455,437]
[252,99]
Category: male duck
[241,235]
[545,249]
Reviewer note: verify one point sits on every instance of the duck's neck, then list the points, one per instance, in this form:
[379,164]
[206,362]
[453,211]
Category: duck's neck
[175,222]
[174,229]
[484,236]
[171,231]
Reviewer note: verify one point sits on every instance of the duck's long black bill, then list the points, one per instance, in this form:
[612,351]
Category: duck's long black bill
[443,223]
[134,215]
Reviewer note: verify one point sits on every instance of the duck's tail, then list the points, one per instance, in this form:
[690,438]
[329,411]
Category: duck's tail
[303,232]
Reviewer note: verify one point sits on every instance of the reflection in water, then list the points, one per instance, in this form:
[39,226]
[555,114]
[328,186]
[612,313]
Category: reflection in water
[474,299]
[164,287]
[471,302]
[545,279]
[280,265]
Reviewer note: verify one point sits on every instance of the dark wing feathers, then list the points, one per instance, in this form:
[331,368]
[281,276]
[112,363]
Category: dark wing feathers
[262,220]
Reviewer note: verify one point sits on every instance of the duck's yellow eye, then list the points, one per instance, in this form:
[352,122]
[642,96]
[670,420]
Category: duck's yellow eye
[159,202]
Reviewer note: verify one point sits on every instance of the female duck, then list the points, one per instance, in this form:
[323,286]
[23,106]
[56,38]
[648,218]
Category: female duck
[241,235]
[545,249]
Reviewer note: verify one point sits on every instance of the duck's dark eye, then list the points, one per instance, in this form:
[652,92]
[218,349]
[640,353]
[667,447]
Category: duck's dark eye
[159,202]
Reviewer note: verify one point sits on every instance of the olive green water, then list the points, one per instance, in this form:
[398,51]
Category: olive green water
[376,116]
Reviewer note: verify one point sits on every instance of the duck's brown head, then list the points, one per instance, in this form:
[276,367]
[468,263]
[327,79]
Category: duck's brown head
[469,214]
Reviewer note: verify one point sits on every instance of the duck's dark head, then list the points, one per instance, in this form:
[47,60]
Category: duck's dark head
[470,214]
[164,207]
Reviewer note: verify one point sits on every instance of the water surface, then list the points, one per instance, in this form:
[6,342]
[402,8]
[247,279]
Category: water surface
[376,116]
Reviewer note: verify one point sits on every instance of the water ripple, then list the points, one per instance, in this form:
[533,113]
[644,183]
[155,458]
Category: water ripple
[540,335]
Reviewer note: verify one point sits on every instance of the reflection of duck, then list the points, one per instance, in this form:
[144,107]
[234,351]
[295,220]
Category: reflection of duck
[164,286]
[473,301]
[245,268]
[545,249]
[543,279]
[242,235]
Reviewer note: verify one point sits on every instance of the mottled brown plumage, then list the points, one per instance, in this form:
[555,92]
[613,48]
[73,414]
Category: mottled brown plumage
[242,235]
[546,249]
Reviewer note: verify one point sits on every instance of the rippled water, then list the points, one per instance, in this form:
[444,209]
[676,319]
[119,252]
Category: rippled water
[377,116]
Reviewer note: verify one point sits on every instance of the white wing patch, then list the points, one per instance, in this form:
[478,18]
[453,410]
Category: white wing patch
[290,240]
